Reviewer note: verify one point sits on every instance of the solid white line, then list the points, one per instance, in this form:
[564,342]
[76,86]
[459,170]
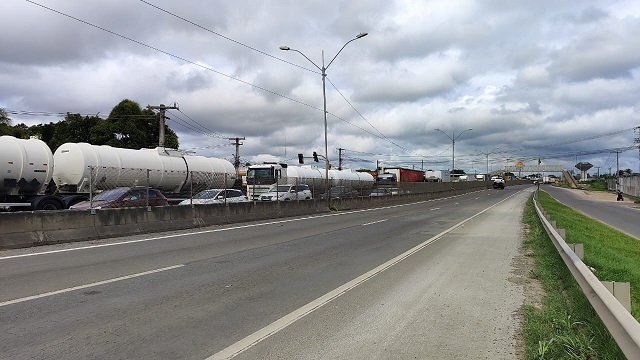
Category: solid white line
[273,328]
[62,291]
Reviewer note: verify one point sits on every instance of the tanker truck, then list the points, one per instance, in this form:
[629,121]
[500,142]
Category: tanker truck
[261,177]
[32,178]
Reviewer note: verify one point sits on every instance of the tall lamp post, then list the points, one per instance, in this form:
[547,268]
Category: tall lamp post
[323,70]
[486,154]
[453,139]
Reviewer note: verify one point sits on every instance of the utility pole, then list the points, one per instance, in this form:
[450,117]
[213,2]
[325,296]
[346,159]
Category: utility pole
[637,141]
[340,158]
[163,118]
[236,161]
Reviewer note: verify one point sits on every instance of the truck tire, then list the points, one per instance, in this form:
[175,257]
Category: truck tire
[47,203]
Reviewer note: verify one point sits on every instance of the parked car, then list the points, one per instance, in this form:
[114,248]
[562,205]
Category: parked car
[216,196]
[124,197]
[380,192]
[287,192]
[342,192]
[395,191]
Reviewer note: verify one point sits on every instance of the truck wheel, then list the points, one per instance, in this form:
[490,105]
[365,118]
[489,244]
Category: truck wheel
[48,204]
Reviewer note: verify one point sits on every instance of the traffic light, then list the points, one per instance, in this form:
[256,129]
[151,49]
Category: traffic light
[315,156]
[300,159]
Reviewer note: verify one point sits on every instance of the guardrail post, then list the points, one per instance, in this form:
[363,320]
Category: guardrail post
[621,291]
[577,249]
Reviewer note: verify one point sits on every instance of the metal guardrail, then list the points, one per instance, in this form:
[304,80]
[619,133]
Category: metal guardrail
[624,328]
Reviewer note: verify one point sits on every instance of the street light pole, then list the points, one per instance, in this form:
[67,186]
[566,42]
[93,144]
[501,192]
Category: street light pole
[453,139]
[487,153]
[323,71]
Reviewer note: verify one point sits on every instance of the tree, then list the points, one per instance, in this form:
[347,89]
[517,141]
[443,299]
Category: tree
[5,123]
[129,126]
[74,128]
[4,119]
[625,172]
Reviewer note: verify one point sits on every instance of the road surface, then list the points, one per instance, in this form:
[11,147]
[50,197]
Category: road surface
[434,279]
[600,205]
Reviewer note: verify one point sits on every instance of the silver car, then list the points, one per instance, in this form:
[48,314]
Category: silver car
[287,193]
[216,196]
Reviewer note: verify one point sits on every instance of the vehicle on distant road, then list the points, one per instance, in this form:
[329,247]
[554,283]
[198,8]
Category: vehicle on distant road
[287,193]
[498,182]
[123,197]
[216,196]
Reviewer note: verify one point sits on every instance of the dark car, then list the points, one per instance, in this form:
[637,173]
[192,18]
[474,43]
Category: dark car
[124,197]
[342,192]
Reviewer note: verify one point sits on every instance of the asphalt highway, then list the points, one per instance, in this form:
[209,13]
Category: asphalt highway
[433,279]
[622,215]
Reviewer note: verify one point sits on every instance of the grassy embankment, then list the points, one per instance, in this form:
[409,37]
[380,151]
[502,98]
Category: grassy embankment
[565,326]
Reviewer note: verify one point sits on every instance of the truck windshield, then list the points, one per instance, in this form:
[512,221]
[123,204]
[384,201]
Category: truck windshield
[260,176]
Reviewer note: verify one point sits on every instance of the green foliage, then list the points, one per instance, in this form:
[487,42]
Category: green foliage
[4,119]
[128,126]
[565,326]
[614,255]
[598,185]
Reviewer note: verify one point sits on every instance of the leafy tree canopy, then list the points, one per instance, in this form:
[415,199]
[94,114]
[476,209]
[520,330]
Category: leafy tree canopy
[128,126]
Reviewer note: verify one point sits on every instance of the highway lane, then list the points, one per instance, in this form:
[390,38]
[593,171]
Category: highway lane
[621,215]
[210,289]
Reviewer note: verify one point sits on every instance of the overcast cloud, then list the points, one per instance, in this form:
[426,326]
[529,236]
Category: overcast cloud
[544,79]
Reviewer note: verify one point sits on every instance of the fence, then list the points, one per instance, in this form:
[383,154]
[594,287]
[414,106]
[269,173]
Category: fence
[629,185]
[140,187]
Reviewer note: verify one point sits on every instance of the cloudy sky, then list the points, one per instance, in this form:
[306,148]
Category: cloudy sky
[559,81]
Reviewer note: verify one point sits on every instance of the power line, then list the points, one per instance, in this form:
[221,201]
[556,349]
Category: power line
[225,37]
[204,66]
[174,56]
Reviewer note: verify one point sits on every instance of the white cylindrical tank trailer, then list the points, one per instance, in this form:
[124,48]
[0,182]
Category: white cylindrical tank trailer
[76,164]
[314,177]
[26,166]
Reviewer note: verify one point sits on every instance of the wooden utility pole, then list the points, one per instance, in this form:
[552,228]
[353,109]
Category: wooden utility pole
[340,158]
[163,118]
[236,161]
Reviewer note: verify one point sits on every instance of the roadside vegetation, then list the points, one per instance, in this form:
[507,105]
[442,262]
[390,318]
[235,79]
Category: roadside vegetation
[601,185]
[564,325]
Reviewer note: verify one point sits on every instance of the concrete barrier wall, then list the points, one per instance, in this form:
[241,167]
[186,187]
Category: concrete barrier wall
[32,228]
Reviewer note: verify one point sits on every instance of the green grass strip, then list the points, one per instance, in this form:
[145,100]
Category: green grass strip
[611,254]
[563,325]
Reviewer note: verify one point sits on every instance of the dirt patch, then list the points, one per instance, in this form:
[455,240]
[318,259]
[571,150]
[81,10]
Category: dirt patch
[533,291]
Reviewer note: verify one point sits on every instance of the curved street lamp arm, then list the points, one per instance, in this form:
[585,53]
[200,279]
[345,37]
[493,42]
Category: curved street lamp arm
[450,138]
[338,53]
[461,134]
[301,53]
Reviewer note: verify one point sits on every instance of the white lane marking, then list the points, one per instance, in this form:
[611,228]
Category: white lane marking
[205,231]
[273,328]
[215,230]
[62,291]
[375,222]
